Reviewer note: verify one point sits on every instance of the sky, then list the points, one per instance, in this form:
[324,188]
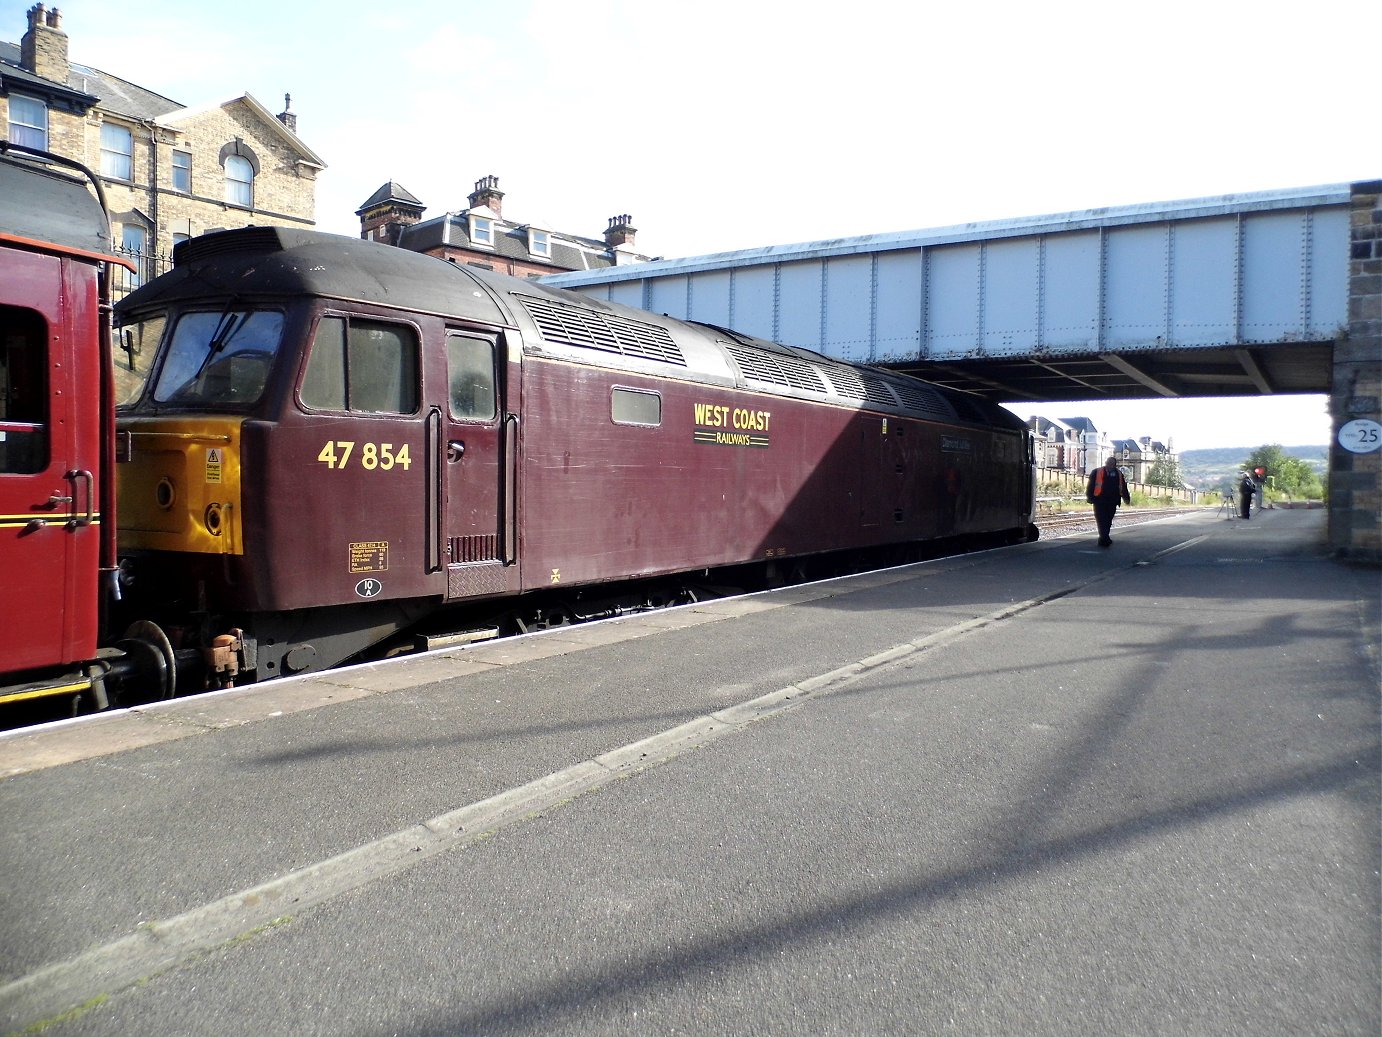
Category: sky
[730,124]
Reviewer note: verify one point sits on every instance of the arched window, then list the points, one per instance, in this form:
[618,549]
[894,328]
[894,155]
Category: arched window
[239,181]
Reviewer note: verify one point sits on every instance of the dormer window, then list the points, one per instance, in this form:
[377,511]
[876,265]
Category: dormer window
[482,231]
[539,243]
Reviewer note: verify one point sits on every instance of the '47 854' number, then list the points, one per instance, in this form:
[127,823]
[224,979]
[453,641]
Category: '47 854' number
[341,453]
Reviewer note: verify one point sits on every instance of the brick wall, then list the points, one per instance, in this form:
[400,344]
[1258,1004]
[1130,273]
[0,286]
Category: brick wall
[1355,486]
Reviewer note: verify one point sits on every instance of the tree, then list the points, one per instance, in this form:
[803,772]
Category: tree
[1284,474]
[1164,471]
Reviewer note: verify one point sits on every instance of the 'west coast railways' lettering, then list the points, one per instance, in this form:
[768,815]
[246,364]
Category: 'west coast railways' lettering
[731,426]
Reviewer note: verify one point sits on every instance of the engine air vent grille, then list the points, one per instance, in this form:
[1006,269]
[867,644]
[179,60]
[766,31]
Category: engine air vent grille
[595,329]
[481,548]
[774,368]
[919,396]
[250,239]
[860,385]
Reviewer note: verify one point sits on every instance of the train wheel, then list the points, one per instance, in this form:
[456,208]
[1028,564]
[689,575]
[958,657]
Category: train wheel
[155,666]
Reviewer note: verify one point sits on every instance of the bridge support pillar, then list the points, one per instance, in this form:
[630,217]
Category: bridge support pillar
[1355,486]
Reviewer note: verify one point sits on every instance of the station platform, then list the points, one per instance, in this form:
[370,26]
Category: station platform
[1049,789]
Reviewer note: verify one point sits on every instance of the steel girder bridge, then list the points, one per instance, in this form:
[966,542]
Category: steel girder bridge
[1242,295]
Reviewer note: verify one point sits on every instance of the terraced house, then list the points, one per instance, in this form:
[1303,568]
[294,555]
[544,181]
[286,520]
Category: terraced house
[170,172]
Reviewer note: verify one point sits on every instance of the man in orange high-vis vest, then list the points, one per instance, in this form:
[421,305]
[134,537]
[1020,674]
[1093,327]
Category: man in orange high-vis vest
[1106,489]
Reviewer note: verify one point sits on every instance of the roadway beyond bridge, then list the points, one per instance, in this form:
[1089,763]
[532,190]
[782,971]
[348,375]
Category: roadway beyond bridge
[1047,790]
[1244,295]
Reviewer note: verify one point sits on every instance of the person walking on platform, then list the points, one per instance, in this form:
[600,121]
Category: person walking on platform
[1106,489]
[1247,489]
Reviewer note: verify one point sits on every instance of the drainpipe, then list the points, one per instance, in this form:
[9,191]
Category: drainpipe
[153,191]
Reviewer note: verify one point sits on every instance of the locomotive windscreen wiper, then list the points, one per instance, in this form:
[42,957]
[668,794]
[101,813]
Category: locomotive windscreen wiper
[227,325]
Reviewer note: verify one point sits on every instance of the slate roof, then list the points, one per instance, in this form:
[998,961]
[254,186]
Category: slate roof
[89,87]
[510,242]
[390,192]
[115,95]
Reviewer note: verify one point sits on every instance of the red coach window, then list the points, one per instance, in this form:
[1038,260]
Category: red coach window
[23,391]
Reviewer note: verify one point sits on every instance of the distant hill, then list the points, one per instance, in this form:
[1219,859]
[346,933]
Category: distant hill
[1204,469]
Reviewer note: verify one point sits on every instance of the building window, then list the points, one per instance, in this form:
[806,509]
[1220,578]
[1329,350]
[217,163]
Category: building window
[182,171]
[239,181]
[482,231]
[540,243]
[29,122]
[134,241]
[117,152]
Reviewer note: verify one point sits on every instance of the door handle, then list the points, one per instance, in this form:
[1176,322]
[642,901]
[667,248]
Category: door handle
[90,482]
[455,450]
[54,500]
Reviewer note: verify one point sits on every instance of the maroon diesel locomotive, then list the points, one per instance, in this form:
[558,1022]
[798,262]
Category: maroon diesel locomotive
[337,440]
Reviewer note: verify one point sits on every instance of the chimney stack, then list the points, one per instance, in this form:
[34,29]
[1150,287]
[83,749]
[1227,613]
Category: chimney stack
[287,117]
[487,194]
[620,231]
[43,50]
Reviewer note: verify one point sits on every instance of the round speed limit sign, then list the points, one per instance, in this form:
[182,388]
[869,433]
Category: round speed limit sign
[1361,436]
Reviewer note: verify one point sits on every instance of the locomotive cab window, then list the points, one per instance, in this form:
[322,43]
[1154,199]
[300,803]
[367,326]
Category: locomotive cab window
[136,344]
[362,366]
[23,391]
[635,407]
[470,362]
[219,358]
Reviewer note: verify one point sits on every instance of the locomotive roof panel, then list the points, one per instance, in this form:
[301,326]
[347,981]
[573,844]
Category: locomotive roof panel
[40,203]
[281,262]
[284,262]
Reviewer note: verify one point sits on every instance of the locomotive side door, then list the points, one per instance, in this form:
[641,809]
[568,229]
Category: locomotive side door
[49,461]
[477,447]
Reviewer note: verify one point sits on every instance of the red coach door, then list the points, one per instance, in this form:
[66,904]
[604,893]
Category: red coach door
[477,443]
[49,460]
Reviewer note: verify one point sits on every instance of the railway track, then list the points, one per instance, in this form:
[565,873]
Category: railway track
[1080,522]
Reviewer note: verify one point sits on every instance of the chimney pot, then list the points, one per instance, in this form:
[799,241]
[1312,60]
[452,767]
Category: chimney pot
[620,231]
[487,193]
[288,117]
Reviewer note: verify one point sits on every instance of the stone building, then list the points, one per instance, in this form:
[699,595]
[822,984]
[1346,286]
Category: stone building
[481,236]
[1138,457]
[1090,445]
[170,172]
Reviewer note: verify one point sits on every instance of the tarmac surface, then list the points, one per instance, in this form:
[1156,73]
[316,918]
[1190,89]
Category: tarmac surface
[1051,789]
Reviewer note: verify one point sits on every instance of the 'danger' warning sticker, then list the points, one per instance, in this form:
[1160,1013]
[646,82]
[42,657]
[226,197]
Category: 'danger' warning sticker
[214,458]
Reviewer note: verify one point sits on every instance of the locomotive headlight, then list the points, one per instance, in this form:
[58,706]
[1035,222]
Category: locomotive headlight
[165,494]
[213,519]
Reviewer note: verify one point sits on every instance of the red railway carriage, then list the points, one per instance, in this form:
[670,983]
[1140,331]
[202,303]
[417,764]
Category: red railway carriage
[339,438]
[56,417]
